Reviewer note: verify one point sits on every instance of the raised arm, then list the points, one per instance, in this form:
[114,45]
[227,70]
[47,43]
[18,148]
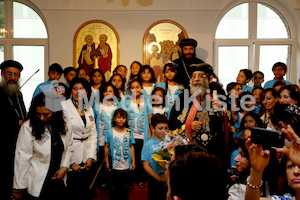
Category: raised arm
[259,160]
[293,152]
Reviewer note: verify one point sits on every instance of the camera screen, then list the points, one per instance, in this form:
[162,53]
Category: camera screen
[267,138]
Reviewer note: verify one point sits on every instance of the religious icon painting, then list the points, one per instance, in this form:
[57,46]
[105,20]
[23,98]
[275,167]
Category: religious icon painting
[96,45]
[161,44]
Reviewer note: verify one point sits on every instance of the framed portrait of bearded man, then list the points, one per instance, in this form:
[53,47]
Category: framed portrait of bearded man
[96,45]
[161,45]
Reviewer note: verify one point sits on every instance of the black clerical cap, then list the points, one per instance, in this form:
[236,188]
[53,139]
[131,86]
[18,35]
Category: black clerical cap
[11,63]
[188,42]
[202,67]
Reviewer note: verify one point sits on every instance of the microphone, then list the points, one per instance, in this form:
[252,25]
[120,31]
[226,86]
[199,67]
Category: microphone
[28,79]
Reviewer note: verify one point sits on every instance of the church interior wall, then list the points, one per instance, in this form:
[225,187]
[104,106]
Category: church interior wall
[131,18]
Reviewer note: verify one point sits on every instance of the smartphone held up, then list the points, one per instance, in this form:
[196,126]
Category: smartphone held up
[269,139]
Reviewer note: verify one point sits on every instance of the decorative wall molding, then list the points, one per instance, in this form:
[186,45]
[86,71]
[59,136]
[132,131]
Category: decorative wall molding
[131,5]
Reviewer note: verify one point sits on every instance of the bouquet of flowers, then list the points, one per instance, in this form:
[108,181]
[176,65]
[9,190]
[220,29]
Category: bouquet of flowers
[168,148]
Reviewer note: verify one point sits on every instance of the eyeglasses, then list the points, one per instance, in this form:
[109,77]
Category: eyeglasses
[199,76]
[10,74]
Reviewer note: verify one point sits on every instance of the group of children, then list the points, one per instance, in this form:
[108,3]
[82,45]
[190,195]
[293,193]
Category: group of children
[124,134]
[131,129]
[267,99]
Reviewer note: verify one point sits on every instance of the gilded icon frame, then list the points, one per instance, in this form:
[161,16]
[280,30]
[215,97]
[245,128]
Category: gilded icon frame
[95,28]
[166,29]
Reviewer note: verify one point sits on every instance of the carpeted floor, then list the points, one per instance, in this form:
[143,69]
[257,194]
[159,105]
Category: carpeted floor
[135,194]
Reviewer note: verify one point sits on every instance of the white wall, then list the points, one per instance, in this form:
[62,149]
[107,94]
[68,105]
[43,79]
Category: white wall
[131,18]
[294,9]
[130,26]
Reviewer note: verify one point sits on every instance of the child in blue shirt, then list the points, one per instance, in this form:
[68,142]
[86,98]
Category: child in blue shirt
[249,121]
[244,76]
[171,85]
[258,78]
[156,188]
[119,141]
[138,110]
[279,70]
[256,93]
[54,73]
[146,73]
[158,104]
[69,74]
[104,111]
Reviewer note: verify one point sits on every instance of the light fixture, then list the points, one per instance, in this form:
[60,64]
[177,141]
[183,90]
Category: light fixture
[2,31]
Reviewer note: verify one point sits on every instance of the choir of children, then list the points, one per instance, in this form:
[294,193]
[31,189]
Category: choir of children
[131,119]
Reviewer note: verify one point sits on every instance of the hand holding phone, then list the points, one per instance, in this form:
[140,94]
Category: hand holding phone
[267,138]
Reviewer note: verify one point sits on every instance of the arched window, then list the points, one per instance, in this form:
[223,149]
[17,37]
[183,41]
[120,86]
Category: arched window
[253,35]
[23,37]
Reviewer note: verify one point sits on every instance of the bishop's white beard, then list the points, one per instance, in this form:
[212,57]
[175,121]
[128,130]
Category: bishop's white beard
[201,89]
[9,89]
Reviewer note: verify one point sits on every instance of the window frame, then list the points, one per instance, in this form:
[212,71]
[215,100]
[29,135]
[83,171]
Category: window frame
[254,43]
[9,41]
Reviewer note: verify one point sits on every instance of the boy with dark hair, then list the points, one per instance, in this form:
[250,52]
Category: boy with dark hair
[256,93]
[236,87]
[196,175]
[258,78]
[279,70]
[244,76]
[278,84]
[69,74]
[233,89]
[156,188]
[54,73]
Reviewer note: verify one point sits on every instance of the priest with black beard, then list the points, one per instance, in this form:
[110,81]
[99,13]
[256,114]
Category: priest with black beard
[12,115]
[197,115]
[187,58]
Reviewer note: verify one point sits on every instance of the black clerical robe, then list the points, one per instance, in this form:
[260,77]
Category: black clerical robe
[211,137]
[12,109]
[183,69]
